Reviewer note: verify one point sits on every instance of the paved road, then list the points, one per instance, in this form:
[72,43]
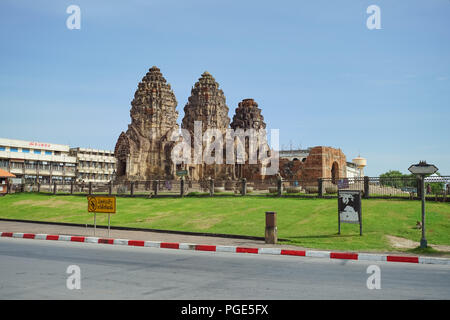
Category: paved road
[34,269]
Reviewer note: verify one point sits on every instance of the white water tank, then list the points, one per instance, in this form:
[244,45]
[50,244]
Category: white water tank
[360,162]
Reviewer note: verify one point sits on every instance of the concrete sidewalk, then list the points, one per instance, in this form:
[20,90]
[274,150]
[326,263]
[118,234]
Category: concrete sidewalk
[26,227]
[41,228]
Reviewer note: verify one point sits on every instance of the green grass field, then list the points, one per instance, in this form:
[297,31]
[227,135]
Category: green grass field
[310,223]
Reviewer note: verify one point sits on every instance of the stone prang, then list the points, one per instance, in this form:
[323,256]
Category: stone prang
[206,104]
[248,116]
[143,151]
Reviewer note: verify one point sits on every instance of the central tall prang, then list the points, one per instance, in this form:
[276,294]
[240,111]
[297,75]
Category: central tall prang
[207,105]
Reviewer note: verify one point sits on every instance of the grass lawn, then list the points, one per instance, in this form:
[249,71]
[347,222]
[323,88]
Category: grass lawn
[310,223]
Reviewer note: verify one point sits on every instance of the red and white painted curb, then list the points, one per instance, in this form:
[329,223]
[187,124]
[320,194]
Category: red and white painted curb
[231,249]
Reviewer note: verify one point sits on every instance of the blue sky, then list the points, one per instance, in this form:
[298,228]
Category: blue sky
[315,69]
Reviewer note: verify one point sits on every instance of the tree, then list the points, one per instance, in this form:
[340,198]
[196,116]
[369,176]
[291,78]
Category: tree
[396,179]
[436,187]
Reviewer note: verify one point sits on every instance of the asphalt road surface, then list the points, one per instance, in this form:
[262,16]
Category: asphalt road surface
[34,269]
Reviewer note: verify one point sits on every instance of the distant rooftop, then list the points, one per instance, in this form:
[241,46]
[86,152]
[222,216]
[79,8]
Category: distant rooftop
[295,151]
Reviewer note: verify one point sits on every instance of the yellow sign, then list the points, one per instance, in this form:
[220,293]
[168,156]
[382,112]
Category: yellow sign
[101,204]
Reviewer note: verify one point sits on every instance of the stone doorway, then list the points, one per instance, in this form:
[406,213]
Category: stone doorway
[334,172]
[121,167]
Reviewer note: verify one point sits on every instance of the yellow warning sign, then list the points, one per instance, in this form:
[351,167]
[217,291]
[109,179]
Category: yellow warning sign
[103,204]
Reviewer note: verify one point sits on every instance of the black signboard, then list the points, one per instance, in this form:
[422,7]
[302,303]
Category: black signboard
[349,208]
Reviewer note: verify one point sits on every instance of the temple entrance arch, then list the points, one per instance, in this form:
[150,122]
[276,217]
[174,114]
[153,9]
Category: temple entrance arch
[121,167]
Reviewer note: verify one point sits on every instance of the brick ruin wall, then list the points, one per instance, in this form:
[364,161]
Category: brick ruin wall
[318,164]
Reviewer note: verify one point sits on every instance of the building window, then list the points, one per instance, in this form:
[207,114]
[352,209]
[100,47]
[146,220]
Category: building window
[48,153]
[44,165]
[25,150]
[3,163]
[13,149]
[16,165]
[2,148]
[30,165]
[37,151]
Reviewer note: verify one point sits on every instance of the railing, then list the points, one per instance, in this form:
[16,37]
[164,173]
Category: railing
[390,187]
[436,188]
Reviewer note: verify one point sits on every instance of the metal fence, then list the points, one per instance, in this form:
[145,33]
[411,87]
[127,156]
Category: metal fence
[436,188]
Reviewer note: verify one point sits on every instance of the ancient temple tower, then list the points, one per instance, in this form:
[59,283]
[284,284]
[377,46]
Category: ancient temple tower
[143,151]
[248,116]
[207,104]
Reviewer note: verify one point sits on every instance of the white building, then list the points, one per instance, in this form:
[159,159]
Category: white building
[94,165]
[33,161]
[353,171]
[45,162]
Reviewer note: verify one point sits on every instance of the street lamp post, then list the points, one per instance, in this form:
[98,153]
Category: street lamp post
[421,170]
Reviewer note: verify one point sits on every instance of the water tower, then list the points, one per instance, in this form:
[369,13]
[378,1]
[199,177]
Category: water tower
[360,163]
